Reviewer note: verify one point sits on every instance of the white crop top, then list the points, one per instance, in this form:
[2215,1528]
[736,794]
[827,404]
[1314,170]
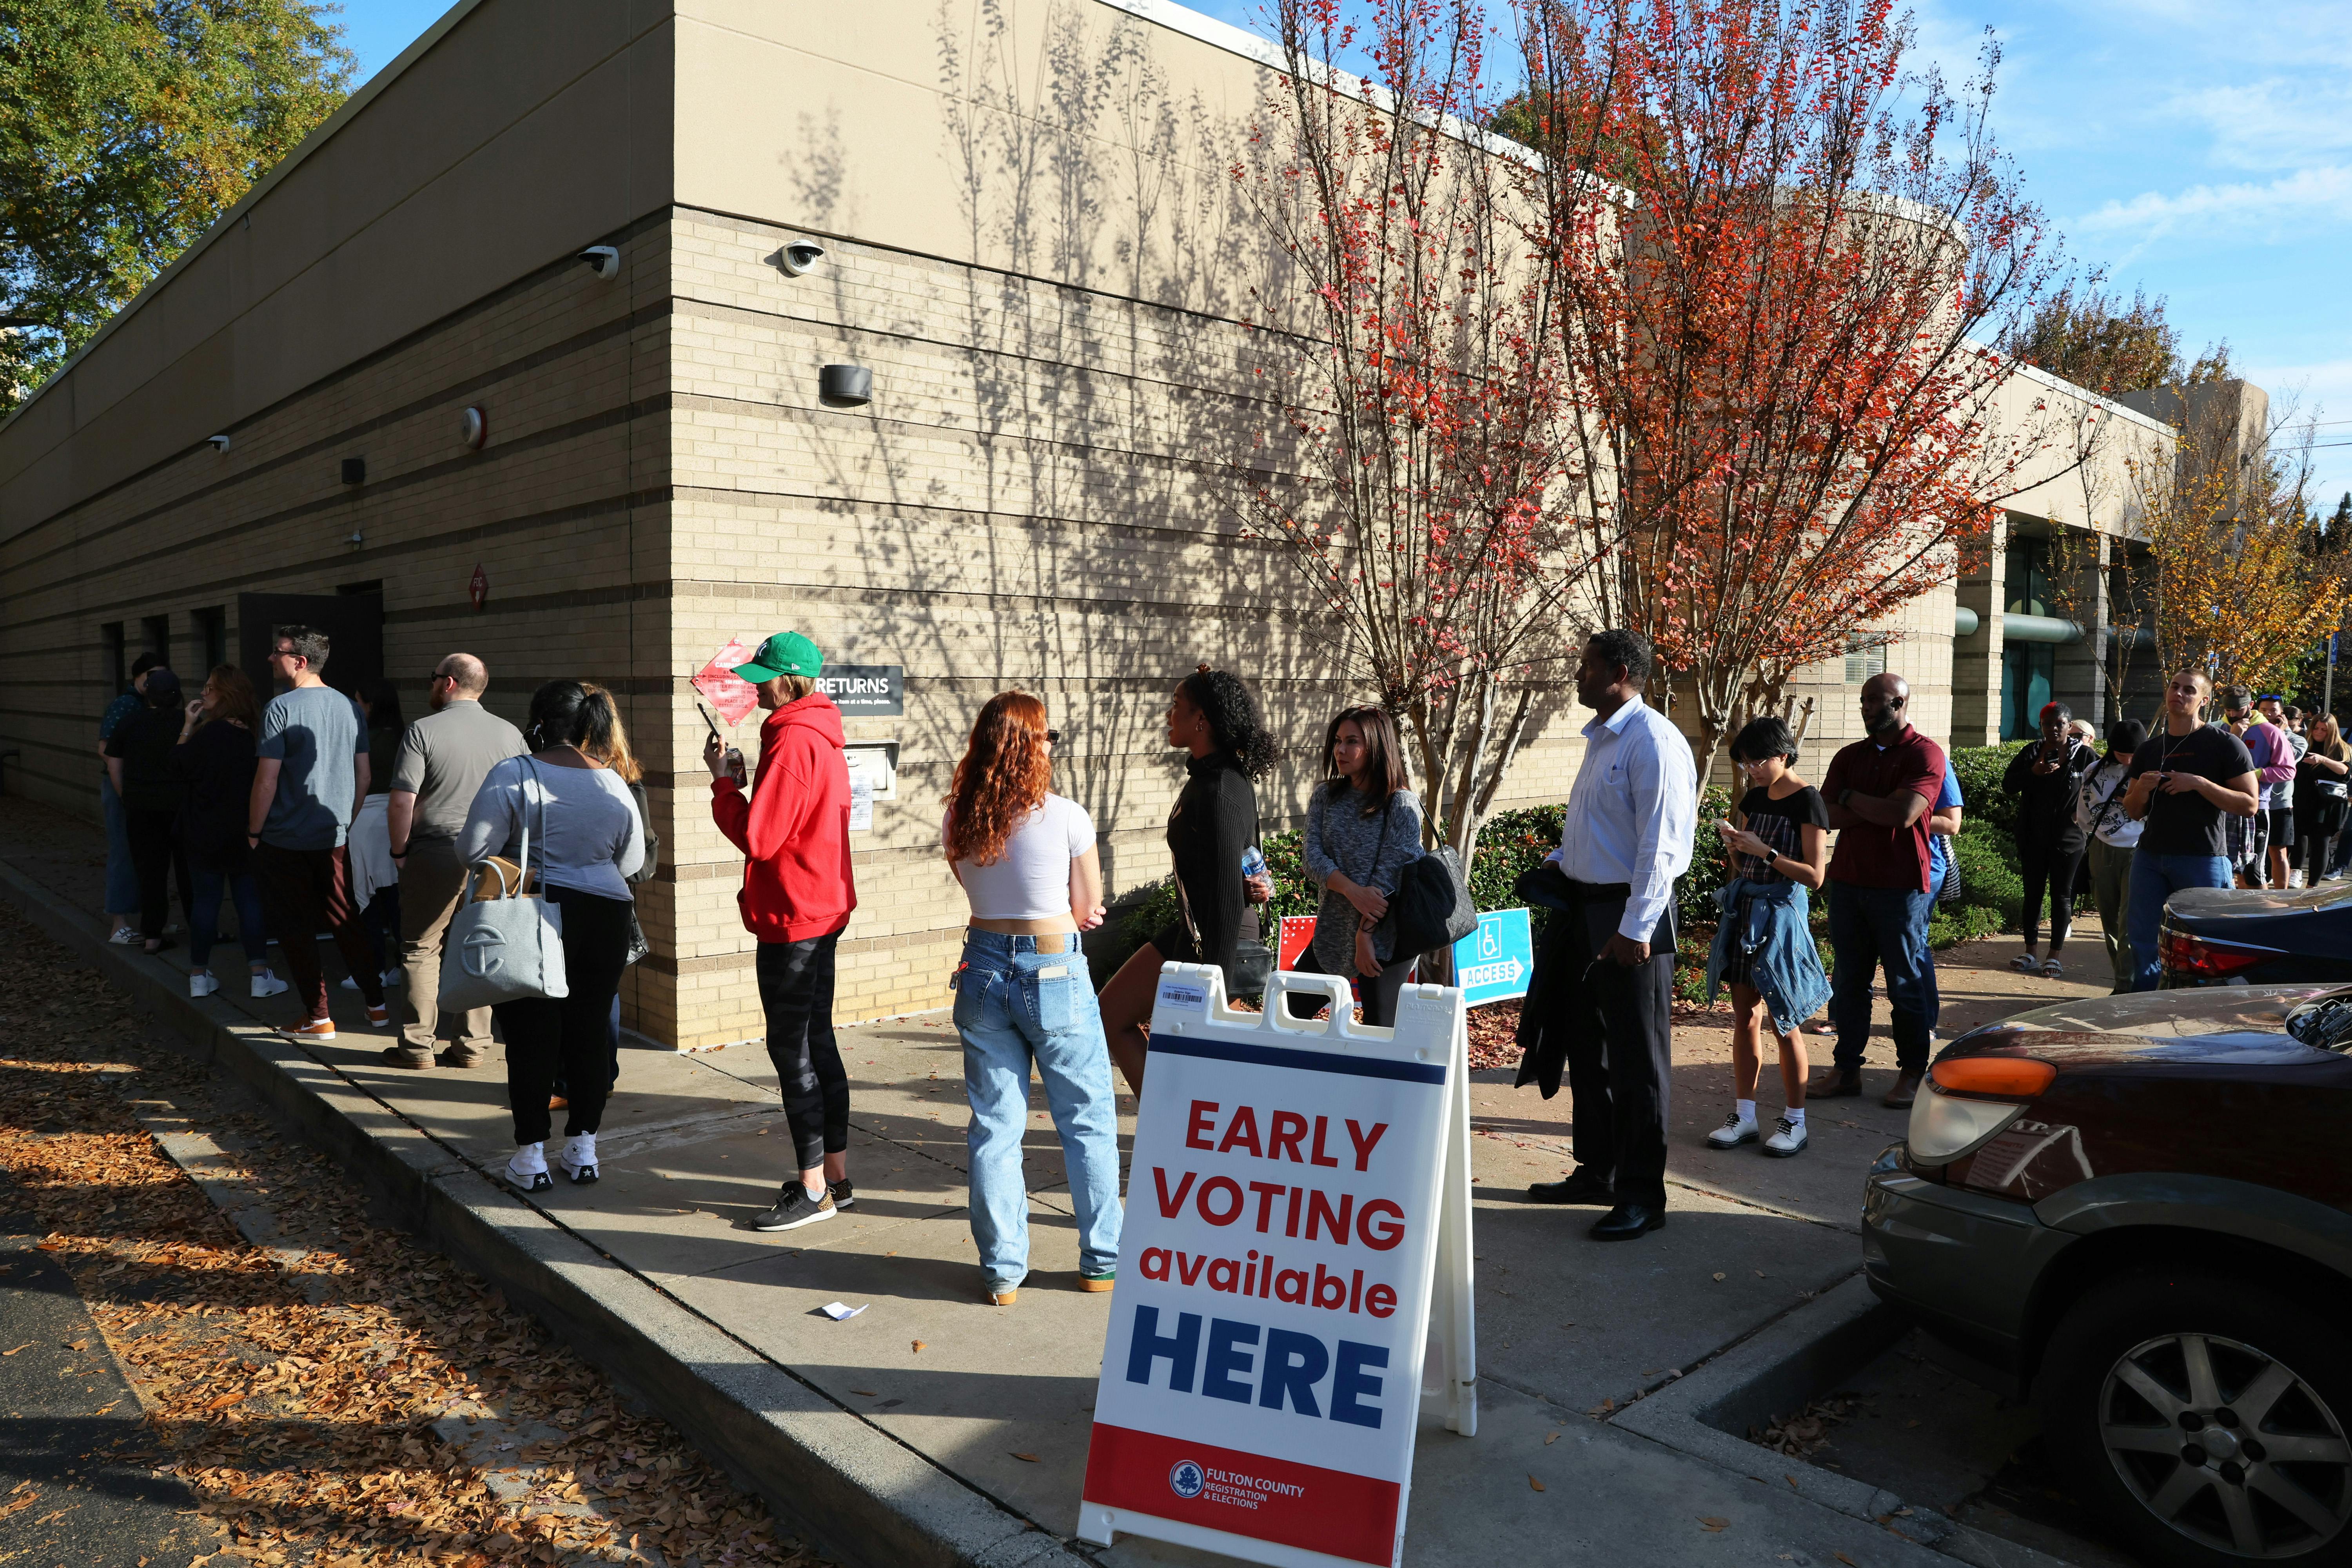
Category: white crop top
[1031,881]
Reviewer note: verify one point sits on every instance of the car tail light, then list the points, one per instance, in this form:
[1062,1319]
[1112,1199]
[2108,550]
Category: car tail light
[2195,958]
[1970,1100]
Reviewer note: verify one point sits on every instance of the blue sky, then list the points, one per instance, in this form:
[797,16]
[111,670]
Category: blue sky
[2200,148]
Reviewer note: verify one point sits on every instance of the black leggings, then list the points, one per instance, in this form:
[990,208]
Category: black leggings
[2051,864]
[1378,992]
[796,993]
[570,1031]
[158,856]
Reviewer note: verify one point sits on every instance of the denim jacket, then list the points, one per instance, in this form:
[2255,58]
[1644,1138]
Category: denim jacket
[1774,925]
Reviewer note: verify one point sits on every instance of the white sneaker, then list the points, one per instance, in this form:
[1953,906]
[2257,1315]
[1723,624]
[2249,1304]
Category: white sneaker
[267,984]
[1736,1130]
[527,1171]
[579,1157]
[125,936]
[1787,1139]
[202,984]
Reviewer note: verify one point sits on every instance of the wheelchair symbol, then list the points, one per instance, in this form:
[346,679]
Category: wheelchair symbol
[1490,937]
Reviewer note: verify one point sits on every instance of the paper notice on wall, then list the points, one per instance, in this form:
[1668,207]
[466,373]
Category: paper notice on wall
[729,692]
[861,803]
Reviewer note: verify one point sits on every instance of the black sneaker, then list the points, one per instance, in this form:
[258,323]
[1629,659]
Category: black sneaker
[795,1208]
[842,1193]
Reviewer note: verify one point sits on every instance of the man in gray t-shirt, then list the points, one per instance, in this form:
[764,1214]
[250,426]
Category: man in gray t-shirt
[439,769]
[311,775]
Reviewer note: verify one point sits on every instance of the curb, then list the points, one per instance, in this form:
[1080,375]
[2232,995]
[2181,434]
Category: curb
[856,1493]
[1782,1367]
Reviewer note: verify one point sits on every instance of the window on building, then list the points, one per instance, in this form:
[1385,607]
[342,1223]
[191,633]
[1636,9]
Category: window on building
[155,636]
[117,658]
[212,638]
[1863,661]
[2027,669]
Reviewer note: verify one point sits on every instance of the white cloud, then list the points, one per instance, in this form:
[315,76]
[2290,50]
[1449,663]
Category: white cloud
[2304,196]
[2277,123]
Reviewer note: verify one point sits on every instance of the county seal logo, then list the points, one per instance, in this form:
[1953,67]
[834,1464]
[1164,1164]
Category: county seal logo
[1187,1480]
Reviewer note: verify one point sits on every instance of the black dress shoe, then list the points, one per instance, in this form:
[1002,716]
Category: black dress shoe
[1627,1221]
[1581,1187]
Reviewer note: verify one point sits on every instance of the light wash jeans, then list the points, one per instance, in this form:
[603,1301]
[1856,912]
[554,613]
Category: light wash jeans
[122,876]
[2154,879]
[1013,1005]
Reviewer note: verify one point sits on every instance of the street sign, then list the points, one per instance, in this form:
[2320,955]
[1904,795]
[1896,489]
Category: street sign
[1495,963]
[864,691]
[1298,1225]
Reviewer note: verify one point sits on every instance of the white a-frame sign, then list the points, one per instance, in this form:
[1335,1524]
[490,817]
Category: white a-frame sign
[1294,1276]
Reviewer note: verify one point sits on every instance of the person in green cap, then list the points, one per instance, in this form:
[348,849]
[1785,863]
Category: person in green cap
[797,895]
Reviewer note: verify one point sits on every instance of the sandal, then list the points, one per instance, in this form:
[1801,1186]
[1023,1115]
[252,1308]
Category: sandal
[2025,962]
[2053,970]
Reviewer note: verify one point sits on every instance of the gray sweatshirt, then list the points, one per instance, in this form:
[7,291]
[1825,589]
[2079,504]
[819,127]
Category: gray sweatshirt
[1340,837]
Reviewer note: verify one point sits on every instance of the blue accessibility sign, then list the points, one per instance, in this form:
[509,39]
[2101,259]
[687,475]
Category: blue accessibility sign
[1494,963]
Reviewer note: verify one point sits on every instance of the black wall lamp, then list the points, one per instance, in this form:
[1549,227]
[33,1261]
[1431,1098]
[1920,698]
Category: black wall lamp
[845,385]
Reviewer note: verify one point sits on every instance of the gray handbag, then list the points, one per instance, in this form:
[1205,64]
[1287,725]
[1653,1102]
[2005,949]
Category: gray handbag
[507,945]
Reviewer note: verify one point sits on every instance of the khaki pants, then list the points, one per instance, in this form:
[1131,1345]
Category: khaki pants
[2111,890]
[431,882]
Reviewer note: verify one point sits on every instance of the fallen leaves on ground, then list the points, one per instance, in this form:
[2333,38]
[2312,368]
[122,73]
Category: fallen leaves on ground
[1535,1484]
[297,1399]
[1713,1525]
[1808,1431]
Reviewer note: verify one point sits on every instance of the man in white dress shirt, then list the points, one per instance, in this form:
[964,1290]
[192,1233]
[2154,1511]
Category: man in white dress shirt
[1603,996]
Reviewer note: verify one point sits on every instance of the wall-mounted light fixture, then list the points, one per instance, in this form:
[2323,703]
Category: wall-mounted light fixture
[800,256]
[474,427]
[603,261]
[355,470]
[356,540]
[219,443]
[845,385]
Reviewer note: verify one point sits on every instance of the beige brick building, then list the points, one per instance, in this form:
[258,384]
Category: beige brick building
[1029,238]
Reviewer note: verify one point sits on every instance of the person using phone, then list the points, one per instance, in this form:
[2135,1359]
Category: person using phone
[2046,777]
[1778,845]
[2184,778]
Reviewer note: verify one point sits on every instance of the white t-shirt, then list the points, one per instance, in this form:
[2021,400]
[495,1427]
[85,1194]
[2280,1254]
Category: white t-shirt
[1031,880]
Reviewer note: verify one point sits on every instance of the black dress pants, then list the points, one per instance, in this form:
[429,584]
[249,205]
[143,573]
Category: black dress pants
[159,857]
[544,1033]
[796,994]
[1615,1025]
[2051,862]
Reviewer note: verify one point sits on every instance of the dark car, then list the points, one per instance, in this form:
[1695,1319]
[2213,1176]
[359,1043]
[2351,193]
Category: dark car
[2235,936]
[2138,1206]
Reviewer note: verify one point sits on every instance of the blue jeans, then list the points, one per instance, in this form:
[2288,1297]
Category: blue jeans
[122,872]
[1870,927]
[2154,879]
[1013,1005]
[205,929]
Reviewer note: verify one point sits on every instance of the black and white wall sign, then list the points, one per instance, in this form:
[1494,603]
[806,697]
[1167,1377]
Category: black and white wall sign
[865,690]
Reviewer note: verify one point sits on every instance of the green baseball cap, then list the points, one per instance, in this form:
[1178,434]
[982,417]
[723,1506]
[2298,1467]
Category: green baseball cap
[786,653]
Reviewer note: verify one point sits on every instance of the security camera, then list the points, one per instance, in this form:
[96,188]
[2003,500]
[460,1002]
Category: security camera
[603,261]
[219,443]
[802,256]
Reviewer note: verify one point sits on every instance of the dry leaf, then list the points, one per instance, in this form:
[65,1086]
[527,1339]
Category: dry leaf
[1537,1485]
[863,1393]
[1713,1525]
[1849,1562]
[1551,1438]
[1031,1458]
[1718,1278]
[26,1346]
[917,1347]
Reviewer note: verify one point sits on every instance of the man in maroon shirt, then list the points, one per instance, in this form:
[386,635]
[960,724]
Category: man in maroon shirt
[1880,792]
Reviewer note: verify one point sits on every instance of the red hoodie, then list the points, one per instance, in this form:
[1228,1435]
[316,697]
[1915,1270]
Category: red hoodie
[794,829]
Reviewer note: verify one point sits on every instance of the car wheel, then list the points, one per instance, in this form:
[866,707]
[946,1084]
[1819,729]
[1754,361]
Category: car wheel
[2208,1417]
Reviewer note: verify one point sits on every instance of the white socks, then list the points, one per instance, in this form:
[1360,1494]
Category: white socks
[1746,1108]
[1796,1115]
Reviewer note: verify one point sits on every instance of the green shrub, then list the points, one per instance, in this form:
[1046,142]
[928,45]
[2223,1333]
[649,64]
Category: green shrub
[1952,925]
[1980,770]
[1986,857]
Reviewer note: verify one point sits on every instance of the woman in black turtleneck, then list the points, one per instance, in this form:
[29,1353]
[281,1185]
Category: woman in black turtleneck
[1214,718]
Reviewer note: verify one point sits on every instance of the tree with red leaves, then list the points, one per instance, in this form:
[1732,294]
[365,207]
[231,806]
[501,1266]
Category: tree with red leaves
[1422,481]
[1780,257]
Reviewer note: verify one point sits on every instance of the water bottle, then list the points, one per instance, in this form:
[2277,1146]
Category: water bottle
[1252,862]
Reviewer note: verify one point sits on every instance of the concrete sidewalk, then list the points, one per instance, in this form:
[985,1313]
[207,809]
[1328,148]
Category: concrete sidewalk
[933,1427]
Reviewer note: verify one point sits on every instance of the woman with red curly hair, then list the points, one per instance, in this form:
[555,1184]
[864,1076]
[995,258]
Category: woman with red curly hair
[1027,861]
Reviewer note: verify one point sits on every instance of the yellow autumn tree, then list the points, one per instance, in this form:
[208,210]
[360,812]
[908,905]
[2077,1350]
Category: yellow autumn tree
[2234,582]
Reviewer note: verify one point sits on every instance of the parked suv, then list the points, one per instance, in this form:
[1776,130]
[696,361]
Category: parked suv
[2240,936]
[2139,1205]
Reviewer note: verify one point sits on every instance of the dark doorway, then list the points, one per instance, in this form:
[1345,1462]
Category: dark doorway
[212,638]
[353,624]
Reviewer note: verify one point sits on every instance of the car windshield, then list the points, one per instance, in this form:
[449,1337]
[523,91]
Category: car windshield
[2324,1024]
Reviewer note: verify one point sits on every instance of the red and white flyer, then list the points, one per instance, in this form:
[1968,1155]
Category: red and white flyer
[729,692]
[1262,1375]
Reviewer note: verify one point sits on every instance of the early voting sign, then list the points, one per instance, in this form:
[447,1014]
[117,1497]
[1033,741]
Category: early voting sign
[1297,1222]
[1494,963]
